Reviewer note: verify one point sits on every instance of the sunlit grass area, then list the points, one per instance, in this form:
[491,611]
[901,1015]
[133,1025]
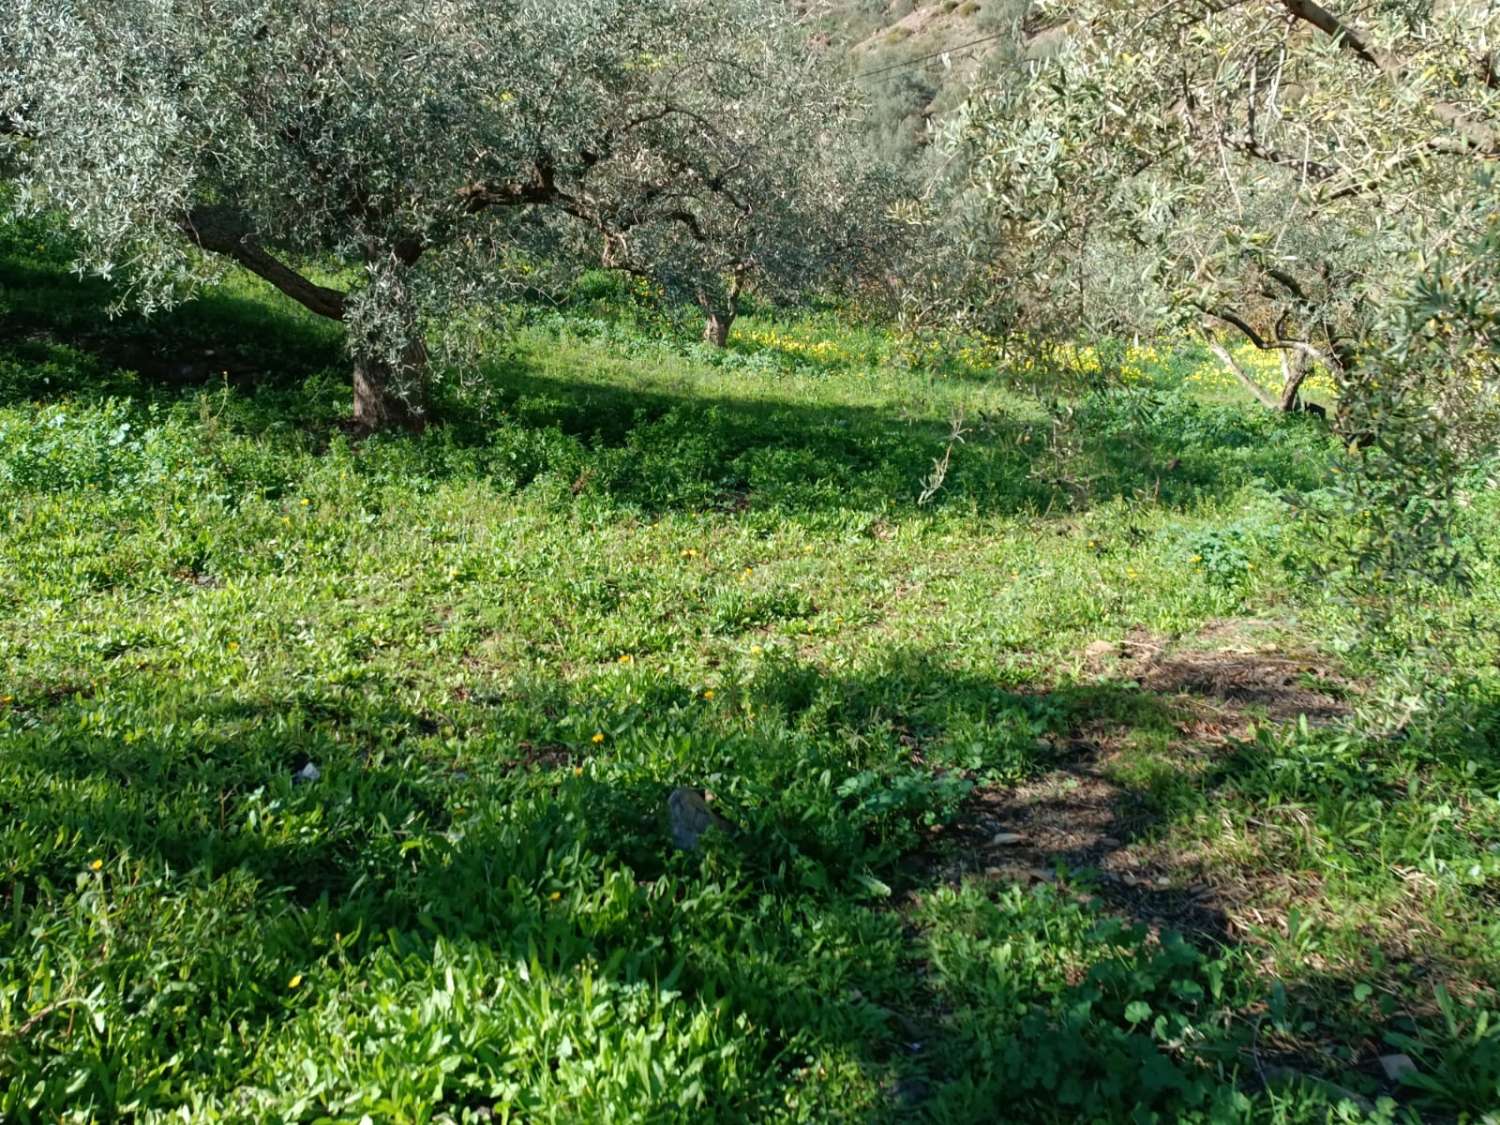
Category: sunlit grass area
[334,772]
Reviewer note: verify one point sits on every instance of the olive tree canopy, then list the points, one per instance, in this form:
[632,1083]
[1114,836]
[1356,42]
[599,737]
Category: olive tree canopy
[779,194]
[1273,168]
[1318,180]
[385,161]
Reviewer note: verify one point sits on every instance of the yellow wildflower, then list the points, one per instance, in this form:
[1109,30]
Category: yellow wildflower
[709,694]
[598,737]
[295,982]
[96,865]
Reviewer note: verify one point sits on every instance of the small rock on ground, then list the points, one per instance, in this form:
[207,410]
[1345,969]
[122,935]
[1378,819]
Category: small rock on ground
[1397,1067]
[689,817]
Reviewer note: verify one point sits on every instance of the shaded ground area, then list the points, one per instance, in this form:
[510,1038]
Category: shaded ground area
[1085,829]
[1212,687]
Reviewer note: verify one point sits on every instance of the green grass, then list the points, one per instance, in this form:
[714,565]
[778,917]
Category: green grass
[624,564]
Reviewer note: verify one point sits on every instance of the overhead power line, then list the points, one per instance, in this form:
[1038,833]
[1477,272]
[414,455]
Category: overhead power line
[933,55]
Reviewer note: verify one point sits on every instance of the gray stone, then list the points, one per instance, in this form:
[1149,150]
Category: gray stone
[308,772]
[1397,1067]
[1006,839]
[689,817]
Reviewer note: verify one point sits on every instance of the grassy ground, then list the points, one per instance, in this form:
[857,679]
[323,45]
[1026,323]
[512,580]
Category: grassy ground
[1062,796]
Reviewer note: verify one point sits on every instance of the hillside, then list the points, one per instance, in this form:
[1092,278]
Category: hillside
[919,56]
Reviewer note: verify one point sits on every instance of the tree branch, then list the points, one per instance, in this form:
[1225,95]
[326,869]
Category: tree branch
[1249,146]
[1263,396]
[1480,136]
[1239,322]
[221,231]
[1330,25]
[541,190]
[1287,281]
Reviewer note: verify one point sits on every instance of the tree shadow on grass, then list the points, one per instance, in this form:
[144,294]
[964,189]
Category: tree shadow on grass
[664,450]
[515,836]
[652,450]
[59,338]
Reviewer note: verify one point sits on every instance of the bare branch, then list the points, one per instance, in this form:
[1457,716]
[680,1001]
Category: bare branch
[1481,136]
[221,231]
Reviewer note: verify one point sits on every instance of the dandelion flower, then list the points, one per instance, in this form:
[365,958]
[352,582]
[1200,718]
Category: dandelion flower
[96,865]
[295,982]
[626,658]
[577,771]
[709,694]
[598,737]
[554,896]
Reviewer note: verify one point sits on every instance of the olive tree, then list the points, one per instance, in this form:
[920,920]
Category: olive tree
[776,192]
[798,219]
[1271,168]
[384,162]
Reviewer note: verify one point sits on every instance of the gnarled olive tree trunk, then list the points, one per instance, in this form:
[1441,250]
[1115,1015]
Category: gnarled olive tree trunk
[388,396]
[716,325]
[388,392]
[386,341]
[1294,369]
[718,315]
